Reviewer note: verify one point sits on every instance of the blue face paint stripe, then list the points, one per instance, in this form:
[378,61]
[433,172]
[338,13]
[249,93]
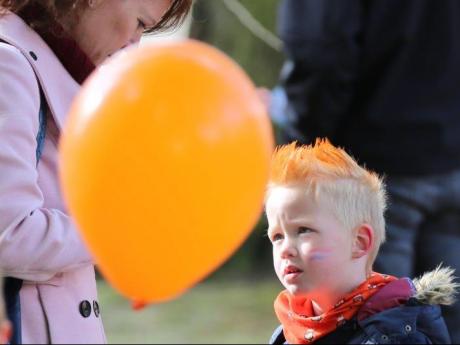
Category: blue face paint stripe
[319,256]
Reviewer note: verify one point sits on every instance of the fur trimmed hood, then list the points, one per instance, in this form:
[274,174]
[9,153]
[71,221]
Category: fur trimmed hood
[437,287]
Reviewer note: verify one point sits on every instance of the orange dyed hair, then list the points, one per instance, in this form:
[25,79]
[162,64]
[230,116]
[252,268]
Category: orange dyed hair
[295,164]
[355,195]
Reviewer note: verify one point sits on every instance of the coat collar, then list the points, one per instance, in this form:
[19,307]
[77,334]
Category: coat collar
[393,295]
[67,50]
[52,75]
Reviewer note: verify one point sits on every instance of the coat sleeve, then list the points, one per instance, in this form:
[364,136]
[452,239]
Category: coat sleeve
[35,242]
[321,43]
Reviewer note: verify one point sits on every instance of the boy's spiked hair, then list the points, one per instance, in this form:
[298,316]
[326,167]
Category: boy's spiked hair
[356,196]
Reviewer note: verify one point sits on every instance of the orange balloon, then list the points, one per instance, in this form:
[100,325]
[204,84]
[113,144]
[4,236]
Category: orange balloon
[164,162]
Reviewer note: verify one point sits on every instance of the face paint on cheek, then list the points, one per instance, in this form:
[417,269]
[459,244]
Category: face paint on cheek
[320,255]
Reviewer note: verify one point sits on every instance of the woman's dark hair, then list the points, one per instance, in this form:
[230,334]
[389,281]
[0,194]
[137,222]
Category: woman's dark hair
[174,17]
[55,10]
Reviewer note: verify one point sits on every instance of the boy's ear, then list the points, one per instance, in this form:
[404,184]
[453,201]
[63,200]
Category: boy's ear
[363,241]
[6,331]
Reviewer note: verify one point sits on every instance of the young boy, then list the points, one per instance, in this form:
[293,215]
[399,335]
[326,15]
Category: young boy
[5,325]
[326,223]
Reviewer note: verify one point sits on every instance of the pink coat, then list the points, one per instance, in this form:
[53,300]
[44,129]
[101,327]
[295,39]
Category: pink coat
[38,240]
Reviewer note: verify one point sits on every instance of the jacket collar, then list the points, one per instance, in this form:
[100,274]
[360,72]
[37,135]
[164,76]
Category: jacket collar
[64,47]
[393,295]
[52,75]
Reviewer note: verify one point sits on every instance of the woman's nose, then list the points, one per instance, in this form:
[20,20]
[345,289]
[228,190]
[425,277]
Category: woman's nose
[134,41]
[136,38]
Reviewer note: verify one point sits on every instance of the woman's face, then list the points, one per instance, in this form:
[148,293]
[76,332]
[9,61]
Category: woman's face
[106,26]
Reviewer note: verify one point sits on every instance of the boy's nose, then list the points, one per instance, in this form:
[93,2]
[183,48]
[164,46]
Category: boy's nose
[288,249]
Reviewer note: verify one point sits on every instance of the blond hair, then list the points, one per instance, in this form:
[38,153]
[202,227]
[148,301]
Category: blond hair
[356,196]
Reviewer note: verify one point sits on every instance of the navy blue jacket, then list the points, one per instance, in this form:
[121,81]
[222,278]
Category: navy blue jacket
[378,77]
[400,313]
[409,324]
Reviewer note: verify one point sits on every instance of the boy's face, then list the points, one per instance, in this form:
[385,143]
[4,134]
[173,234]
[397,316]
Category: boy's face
[312,250]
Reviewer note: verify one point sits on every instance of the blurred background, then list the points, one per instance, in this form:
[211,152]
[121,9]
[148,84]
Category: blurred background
[388,94]
[234,304]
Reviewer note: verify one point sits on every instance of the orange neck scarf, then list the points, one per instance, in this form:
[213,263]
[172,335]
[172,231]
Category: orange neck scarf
[300,324]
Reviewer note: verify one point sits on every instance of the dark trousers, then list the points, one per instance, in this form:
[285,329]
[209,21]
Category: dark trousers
[423,230]
[11,288]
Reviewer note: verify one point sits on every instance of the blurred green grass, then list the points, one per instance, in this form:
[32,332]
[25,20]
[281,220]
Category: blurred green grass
[216,311]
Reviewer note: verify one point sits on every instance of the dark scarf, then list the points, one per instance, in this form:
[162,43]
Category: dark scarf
[75,61]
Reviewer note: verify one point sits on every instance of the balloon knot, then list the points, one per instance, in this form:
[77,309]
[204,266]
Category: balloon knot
[138,305]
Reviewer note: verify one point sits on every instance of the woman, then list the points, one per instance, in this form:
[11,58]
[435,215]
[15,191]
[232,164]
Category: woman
[47,49]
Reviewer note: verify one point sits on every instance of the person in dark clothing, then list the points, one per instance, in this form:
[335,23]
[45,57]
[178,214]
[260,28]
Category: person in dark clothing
[381,78]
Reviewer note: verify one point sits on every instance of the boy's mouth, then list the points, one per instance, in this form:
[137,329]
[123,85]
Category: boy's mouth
[292,270]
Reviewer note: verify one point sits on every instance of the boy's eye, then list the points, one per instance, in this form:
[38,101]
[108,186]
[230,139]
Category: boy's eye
[276,237]
[304,230]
